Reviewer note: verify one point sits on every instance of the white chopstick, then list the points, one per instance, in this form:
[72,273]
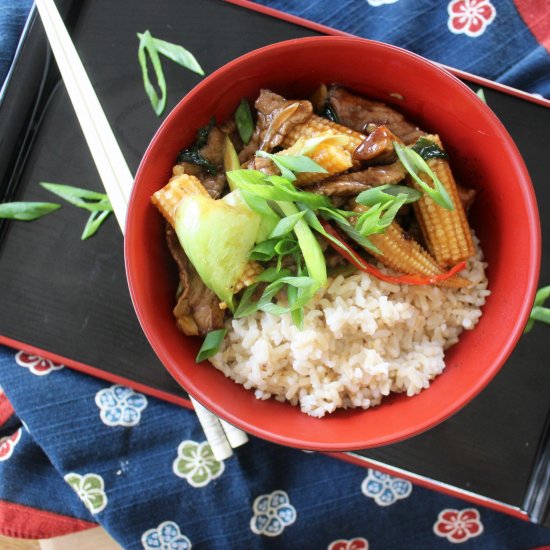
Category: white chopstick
[116,176]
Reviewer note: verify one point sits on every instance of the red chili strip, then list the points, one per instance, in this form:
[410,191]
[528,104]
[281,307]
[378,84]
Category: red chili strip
[369,268]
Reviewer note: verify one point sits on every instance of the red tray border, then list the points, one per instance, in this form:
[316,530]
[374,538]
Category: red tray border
[347,457]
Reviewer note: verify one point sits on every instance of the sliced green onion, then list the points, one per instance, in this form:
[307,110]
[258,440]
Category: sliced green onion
[311,250]
[286,246]
[93,224]
[244,121]
[96,203]
[211,344]
[26,211]
[147,47]
[246,305]
[274,188]
[176,53]
[540,297]
[271,274]
[415,164]
[286,225]
[294,294]
[387,193]
[290,164]
[92,201]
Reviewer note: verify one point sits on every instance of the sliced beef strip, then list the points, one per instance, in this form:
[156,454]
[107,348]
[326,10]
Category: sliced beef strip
[197,311]
[277,116]
[358,113]
[348,185]
[213,151]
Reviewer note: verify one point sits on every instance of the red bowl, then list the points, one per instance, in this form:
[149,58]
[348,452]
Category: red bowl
[483,155]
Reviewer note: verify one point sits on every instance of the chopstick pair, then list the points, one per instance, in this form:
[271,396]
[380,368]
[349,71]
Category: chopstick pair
[116,177]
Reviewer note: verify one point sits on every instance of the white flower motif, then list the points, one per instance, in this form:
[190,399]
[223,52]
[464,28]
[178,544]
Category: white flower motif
[272,513]
[458,525]
[376,3]
[120,406]
[470,17]
[37,365]
[385,489]
[90,488]
[196,463]
[167,536]
[8,443]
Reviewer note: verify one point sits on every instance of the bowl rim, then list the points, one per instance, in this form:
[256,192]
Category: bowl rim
[445,411]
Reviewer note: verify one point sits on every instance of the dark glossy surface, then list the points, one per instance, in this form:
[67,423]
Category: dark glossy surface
[50,280]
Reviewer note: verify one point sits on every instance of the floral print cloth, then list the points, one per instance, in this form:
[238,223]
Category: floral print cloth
[78,451]
[503,40]
[153,482]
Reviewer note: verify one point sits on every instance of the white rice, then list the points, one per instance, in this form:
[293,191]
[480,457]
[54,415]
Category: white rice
[362,339]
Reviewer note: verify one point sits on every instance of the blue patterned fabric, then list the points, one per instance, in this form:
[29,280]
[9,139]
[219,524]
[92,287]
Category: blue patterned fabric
[12,19]
[488,38]
[142,469]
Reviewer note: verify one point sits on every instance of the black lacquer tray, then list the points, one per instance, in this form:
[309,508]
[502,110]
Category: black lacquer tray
[68,300]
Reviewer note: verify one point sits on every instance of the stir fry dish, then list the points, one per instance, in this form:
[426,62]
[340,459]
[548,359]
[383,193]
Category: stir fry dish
[297,209]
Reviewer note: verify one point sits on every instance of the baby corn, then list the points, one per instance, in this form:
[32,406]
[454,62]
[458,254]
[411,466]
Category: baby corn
[177,189]
[401,252]
[331,154]
[446,232]
[316,125]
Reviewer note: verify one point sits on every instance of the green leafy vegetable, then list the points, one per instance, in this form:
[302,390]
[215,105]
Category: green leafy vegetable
[96,203]
[415,165]
[148,45]
[288,164]
[427,149]
[211,344]
[193,154]
[539,313]
[243,119]
[227,229]
[26,211]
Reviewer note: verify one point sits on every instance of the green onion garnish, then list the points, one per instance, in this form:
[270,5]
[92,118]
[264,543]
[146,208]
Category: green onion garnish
[26,211]
[288,164]
[387,193]
[211,344]
[244,121]
[539,313]
[148,45]
[96,203]
[415,165]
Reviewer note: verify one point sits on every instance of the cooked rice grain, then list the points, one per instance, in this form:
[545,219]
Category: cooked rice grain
[362,339]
